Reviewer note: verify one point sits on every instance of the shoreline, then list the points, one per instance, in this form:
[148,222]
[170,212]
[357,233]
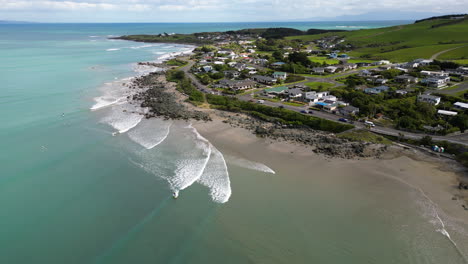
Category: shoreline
[438,182]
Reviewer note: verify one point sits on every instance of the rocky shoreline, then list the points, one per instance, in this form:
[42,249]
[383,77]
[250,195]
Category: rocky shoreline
[159,96]
[324,143]
[163,100]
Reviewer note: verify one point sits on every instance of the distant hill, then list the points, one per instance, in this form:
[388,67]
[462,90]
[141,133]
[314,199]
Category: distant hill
[407,42]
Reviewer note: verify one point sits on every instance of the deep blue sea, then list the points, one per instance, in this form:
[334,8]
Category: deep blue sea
[85,179]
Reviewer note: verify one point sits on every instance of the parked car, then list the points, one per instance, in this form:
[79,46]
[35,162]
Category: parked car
[369,123]
[343,120]
[280,106]
[304,112]
[261,101]
[311,112]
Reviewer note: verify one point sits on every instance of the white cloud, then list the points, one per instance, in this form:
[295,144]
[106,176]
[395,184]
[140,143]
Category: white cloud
[228,10]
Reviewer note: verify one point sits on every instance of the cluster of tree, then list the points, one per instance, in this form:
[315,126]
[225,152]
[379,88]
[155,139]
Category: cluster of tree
[184,85]
[273,114]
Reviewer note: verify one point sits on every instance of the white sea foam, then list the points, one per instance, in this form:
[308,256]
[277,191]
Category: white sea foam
[93,36]
[150,132]
[123,117]
[216,177]
[248,164]
[102,102]
[113,49]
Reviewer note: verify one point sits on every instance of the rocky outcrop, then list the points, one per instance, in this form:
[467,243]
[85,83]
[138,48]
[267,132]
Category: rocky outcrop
[321,142]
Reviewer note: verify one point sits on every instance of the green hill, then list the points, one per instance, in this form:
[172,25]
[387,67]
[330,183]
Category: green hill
[406,42]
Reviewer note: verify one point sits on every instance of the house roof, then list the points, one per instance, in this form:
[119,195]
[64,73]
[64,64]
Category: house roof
[279,73]
[278,89]
[461,105]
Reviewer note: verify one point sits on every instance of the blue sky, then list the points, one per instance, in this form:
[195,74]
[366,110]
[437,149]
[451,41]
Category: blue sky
[222,10]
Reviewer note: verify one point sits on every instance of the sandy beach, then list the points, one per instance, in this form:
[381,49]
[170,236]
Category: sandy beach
[432,179]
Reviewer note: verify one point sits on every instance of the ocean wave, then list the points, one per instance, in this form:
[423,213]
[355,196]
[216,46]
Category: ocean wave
[113,49]
[150,132]
[102,102]
[123,117]
[248,164]
[216,177]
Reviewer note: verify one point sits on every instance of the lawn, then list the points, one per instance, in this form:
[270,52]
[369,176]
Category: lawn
[364,136]
[293,104]
[324,60]
[319,86]
[462,62]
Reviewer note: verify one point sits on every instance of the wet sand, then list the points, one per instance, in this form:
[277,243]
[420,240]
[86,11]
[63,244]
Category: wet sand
[432,179]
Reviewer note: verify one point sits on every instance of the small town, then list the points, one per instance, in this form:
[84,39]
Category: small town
[319,78]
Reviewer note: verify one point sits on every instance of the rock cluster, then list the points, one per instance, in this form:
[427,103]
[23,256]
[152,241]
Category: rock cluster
[321,142]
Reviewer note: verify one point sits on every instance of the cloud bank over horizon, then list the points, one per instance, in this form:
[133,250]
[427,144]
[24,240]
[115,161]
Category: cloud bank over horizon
[219,10]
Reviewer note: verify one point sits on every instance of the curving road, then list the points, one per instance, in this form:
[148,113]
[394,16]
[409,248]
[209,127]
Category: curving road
[461,139]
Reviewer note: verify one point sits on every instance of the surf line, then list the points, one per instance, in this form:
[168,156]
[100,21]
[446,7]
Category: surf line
[441,230]
[125,238]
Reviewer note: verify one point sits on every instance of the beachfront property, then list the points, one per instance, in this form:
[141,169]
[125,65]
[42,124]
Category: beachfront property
[349,110]
[280,75]
[277,64]
[264,79]
[294,93]
[276,91]
[235,85]
[427,98]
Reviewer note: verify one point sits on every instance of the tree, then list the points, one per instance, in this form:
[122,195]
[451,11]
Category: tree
[460,121]
[299,57]
[278,55]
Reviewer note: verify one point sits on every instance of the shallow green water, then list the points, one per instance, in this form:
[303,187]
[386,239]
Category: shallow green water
[72,193]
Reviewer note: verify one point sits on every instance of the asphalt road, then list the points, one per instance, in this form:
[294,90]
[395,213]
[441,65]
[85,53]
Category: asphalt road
[461,139]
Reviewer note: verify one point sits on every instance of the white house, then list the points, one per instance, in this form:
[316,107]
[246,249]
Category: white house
[461,105]
[436,82]
[435,73]
[427,98]
[280,75]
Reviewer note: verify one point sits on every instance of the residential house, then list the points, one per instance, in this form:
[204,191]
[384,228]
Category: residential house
[460,105]
[276,90]
[231,74]
[427,98]
[365,73]
[207,68]
[280,75]
[406,79]
[264,79]
[364,64]
[382,62]
[236,85]
[376,90]
[331,69]
[447,113]
[318,70]
[277,64]
[381,81]
[435,73]
[239,66]
[436,82]
[294,93]
[422,62]
[260,61]
[401,92]
[349,110]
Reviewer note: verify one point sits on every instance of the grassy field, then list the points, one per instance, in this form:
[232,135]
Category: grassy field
[319,85]
[463,62]
[460,53]
[405,42]
[364,136]
[324,60]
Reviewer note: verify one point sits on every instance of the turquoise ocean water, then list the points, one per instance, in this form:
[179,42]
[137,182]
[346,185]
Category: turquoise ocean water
[71,192]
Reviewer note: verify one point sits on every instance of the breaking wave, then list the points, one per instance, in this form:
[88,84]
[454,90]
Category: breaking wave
[124,117]
[150,132]
[252,165]
[216,177]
